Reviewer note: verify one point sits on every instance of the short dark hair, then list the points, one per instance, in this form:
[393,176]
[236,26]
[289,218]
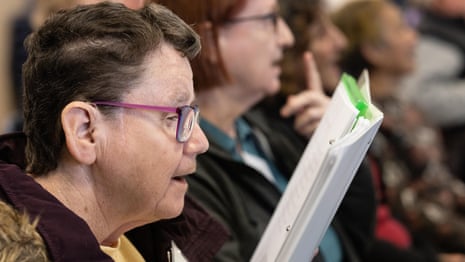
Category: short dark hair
[89,53]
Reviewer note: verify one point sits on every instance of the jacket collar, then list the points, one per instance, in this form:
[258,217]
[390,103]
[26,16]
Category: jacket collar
[67,236]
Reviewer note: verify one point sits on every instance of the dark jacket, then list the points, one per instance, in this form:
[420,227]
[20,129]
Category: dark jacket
[244,200]
[68,237]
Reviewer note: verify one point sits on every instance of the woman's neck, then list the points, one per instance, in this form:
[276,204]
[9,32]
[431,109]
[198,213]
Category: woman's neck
[83,201]
[383,85]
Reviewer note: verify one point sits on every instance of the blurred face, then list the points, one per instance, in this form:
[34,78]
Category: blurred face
[397,42]
[327,44]
[452,8]
[253,48]
[144,165]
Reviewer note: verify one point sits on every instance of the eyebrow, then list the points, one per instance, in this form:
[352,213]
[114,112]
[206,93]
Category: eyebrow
[179,98]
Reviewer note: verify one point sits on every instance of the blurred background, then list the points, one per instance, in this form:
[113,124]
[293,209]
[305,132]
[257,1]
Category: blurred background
[8,11]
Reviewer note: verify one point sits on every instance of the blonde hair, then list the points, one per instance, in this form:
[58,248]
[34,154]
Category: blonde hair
[19,240]
[359,21]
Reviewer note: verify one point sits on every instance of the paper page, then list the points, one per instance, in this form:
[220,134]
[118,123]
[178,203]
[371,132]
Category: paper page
[320,206]
[364,84]
[175,254]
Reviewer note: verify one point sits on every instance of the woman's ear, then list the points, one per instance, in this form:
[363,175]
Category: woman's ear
[78,120]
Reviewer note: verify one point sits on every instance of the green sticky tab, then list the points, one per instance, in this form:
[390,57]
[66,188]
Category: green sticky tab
[355,95]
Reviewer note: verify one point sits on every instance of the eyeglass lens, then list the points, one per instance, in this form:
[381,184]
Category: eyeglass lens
[187,120]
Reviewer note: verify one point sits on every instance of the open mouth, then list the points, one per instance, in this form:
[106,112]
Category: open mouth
[180,178]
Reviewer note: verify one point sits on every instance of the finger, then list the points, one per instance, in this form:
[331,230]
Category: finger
[299,102]
[308,117]
[308,129]
[303,100]
[312,75]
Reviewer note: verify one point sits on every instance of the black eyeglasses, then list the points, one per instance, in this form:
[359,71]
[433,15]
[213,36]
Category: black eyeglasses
[273,17]
[187,116]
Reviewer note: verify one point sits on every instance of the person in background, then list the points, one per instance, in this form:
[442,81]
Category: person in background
[437,86]
[312,23]
[42,9]
[19,240]
[110,135]
[242,176]
[380,40]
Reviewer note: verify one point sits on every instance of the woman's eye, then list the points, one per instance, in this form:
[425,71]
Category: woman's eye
[173,117]
[172,121]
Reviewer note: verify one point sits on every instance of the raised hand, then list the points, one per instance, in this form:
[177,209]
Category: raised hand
[309,105]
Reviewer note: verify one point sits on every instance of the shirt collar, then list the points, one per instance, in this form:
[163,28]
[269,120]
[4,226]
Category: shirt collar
[217,136]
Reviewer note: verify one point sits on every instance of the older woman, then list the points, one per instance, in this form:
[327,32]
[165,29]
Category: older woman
[110,133]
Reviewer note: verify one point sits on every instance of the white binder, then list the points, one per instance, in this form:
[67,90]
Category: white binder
[321,178]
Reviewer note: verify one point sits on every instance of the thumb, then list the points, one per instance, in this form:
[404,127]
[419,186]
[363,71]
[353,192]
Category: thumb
[312,76]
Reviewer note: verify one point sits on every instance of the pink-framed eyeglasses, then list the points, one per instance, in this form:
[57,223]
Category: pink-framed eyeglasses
[187,116]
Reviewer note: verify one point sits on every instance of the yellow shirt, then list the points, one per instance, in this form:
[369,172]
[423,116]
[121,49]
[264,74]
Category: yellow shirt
[124,251]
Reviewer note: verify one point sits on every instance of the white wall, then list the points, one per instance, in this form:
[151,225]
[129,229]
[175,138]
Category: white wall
[8,8]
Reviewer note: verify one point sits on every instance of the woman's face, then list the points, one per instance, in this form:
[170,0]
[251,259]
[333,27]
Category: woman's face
[327,44]
[253,48]
[397,41]
[144,165]
[450,8]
